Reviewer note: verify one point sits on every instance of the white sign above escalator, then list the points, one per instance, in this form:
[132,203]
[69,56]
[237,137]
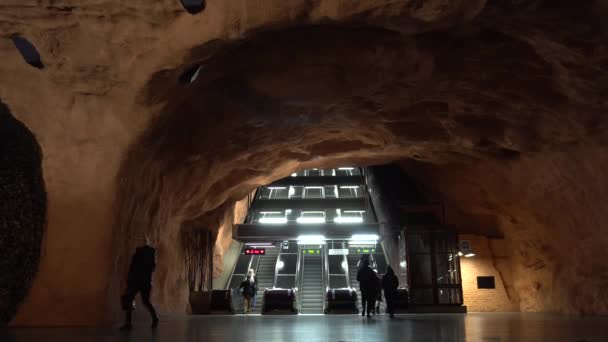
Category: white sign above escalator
[338,251]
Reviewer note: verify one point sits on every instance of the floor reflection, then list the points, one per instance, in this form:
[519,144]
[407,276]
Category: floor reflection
[311,328]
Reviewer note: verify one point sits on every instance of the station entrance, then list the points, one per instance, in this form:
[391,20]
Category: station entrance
[314,271]
[305,237]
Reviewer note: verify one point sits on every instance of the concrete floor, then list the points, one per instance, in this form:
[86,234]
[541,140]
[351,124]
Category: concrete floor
[310,328]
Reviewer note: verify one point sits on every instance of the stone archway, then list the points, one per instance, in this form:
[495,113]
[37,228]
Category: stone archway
[322,95]
[22,211]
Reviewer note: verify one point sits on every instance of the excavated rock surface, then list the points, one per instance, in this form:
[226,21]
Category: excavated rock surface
[131,147]
[22,211]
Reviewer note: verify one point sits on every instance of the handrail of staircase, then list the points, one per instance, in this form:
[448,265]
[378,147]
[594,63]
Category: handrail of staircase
[299,279]
[276,266]
[347,269]
[234,266]
[325,275]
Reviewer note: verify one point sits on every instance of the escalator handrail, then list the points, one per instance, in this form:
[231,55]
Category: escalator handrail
[299,279]
[325,266]
[234,266]
[347,270]
[276,266]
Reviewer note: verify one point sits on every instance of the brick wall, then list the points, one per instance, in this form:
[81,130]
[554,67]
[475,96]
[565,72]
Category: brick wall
[490,257]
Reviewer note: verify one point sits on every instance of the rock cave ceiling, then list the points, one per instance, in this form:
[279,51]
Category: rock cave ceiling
[176,111]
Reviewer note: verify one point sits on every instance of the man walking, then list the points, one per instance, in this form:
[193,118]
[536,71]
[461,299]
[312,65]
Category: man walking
[139,281]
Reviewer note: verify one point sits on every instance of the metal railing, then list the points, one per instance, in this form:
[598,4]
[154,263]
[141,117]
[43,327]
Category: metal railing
[299,279]
[325,265]
[276,266]
[347,268]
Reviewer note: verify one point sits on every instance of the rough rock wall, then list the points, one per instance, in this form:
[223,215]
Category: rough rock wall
[379,80]
[551,209]
[22,211]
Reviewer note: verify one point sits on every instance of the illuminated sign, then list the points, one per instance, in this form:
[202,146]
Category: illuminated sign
[255,251]
[338,251]
[366,250]
[311,251]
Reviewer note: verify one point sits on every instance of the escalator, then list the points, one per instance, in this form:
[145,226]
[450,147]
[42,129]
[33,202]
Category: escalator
[265,273]
[264,267]
[312,290]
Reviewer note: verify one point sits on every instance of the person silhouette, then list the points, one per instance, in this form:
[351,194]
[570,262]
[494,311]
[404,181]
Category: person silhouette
[368,283]
[139,280]
[390,283]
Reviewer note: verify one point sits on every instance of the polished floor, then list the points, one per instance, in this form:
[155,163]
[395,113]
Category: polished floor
[490,327]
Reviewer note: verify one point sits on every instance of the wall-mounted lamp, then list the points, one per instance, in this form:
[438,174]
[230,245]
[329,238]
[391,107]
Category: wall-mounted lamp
[465,249]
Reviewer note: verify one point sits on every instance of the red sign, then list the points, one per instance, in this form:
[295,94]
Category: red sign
[255,251]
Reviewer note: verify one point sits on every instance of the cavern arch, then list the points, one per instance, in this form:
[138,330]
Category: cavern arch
[459,88]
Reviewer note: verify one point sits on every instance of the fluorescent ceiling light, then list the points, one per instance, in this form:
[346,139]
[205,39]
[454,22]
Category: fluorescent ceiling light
[294,174]
[346,219]
[276,187]
[271,212]
[308,220]
[273,220]
[346,168]
[259,244]
[349,186]
[468,255]
[311,239]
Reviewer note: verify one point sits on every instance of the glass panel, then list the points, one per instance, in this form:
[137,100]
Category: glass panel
[348,171]
[419,243]
[289,263]
[420,268]
[236,281]
[313,172]
[274,192]
[286,281]
[447,272]
[350,216]
[349,191]
[337,264]
[329,172]
[242,263]
[421,296]
[337,281]
[331,191]
[295,191]
[445,243]
[313,192]
[449,296]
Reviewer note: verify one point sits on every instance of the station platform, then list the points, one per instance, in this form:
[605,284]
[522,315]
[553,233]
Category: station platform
[521,327]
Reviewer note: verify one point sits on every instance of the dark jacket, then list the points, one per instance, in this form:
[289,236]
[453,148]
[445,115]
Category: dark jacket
[368,280]
[249,288]
[390,283]
[143,264]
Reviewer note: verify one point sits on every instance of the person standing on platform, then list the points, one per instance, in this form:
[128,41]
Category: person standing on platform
[368,282]
[390,283]
[139,280]
[248,286]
